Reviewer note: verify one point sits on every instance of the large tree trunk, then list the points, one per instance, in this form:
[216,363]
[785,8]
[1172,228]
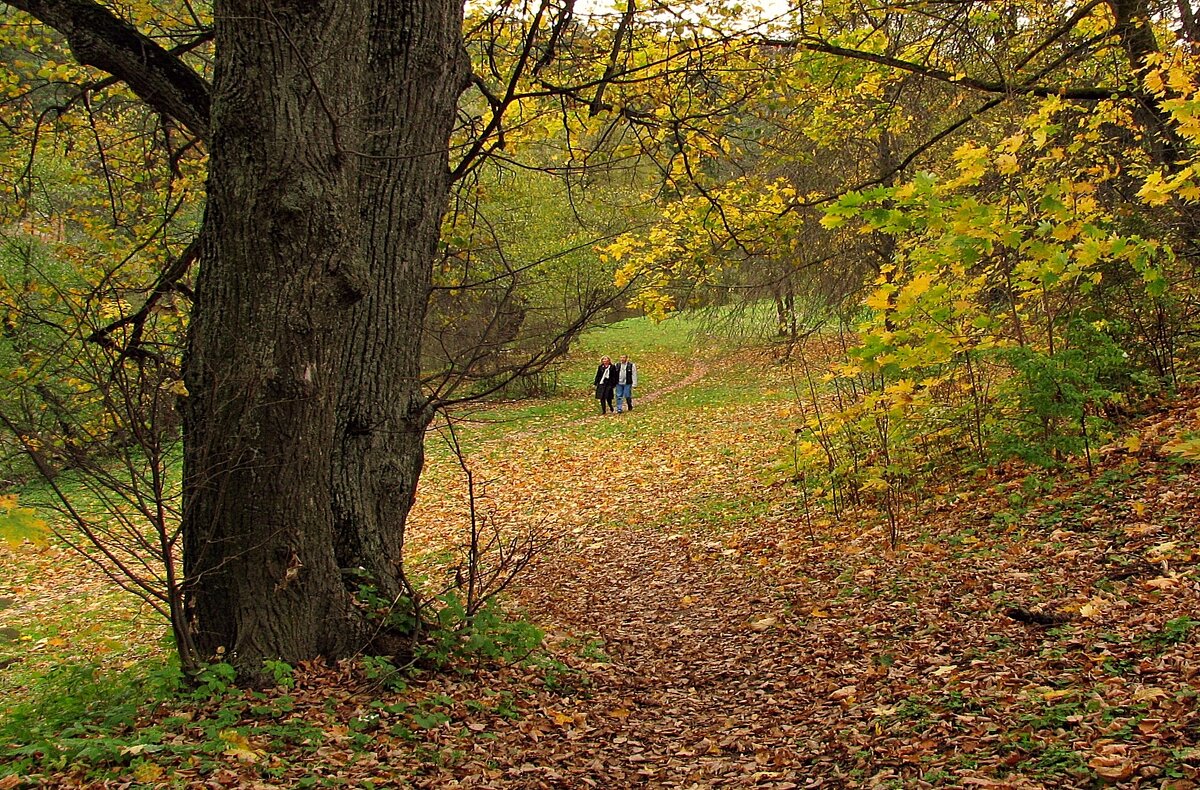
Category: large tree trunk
[412,93]
[303,430]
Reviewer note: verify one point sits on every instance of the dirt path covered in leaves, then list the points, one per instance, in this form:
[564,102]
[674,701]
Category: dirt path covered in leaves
[717,644]
[691,678]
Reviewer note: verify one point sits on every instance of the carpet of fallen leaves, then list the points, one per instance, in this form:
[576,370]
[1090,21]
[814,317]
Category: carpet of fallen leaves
[701,634]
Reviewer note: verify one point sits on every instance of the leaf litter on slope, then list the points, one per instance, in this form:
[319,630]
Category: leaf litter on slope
[701,642]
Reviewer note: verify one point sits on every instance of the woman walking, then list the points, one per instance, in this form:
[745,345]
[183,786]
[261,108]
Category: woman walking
[606,384]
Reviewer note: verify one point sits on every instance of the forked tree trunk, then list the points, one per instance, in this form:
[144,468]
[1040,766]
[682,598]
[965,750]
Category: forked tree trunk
[304,423]
[412,92]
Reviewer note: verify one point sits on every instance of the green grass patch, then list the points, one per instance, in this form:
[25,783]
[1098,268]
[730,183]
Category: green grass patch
[683,334]
[78,713]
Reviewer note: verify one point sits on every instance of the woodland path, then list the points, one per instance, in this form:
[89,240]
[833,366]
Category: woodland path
[704,687]
[702,633]
[699,371]
[743,647]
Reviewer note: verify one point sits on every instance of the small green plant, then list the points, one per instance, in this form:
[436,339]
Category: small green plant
[593,650]
[428,720]
[915,710]
[1173,632]
[78,715]
[486,635]
[281,672]
[937,776]
[214,680]
[399,614]
[1055,715]
[1058,761]
[560,678]
[1056,399]
[384,672]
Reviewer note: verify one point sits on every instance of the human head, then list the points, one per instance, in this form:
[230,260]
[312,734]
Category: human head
[624,358]
[605,360]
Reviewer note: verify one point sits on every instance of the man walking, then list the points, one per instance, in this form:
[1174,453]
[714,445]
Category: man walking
[626,381]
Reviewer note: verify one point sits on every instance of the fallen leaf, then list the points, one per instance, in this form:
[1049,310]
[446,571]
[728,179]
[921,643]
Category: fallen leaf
[148,772]
[1112,769]
[1163,548]
[764,623]
[559,718]
[1149,693]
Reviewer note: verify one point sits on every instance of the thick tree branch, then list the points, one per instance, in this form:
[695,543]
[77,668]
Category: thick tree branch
[99,38]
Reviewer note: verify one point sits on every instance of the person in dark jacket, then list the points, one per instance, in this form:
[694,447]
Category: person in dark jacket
[606,384]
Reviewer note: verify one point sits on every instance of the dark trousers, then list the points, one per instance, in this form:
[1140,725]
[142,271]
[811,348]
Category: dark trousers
[605,395]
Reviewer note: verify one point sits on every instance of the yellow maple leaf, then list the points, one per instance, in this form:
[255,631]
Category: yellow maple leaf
[1155,191]
[559,718]
[1179,79]
[239,747]
[1007,164]
[1154,82]
[880,300]
[918,286]
[149,773]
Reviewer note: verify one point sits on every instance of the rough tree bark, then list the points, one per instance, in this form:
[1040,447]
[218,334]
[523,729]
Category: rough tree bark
[412,92]
[304,424]
[327,127]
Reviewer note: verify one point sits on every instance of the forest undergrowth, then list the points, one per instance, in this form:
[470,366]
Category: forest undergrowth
[701,623]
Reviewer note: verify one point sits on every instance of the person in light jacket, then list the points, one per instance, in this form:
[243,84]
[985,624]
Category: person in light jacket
[606,383]
[626,381]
